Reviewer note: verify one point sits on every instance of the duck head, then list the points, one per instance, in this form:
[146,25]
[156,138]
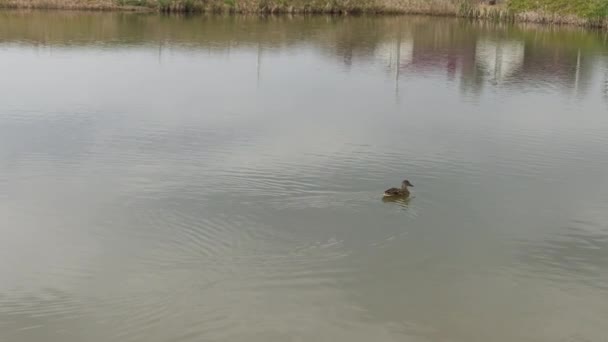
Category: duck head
[406,183]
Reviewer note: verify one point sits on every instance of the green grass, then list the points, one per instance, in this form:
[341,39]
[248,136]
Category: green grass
[143,3]
[589,9]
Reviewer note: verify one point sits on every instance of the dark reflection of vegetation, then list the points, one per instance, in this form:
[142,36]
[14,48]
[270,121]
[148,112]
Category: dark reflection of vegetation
[473,52]
[606,83]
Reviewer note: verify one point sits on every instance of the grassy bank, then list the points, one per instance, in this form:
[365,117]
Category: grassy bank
[577,12]
[436,7]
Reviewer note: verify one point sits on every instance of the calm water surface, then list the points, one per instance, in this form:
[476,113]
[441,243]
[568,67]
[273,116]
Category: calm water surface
[220,178]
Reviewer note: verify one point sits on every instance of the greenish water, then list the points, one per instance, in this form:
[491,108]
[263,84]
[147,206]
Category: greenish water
[220,179]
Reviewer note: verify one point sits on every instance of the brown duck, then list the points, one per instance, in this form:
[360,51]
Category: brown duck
[403,192]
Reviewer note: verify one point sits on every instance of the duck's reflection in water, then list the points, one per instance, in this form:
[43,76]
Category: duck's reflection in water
[402,201]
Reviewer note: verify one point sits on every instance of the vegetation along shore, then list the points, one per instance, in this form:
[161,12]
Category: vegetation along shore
[576,12]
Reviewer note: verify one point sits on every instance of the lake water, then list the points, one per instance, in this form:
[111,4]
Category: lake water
[167,178]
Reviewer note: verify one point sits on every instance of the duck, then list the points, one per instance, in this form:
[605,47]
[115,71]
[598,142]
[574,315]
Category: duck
[396,192]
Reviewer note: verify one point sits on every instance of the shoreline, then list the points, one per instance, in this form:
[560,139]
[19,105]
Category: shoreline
[445,8]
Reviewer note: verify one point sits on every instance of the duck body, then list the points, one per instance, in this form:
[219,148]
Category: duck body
[393,192]
[399,192]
